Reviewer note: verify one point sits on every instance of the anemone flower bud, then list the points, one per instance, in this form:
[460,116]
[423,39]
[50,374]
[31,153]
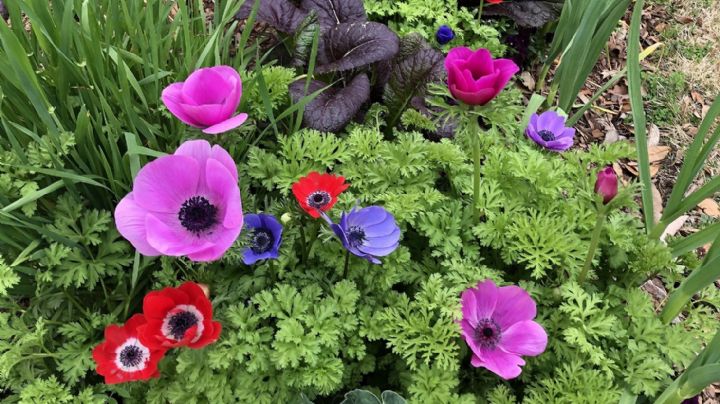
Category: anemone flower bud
[207,99]
[444,34]
[607,184]
[474,77]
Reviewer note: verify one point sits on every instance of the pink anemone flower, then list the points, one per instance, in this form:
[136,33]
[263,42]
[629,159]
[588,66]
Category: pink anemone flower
[207,99]
[185,204]
[497,325]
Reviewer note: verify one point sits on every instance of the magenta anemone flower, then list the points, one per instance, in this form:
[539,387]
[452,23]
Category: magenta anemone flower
[549,131]
[607,184]
[474,77]
[207,99]
[185,204]
[367,233]
[497,325]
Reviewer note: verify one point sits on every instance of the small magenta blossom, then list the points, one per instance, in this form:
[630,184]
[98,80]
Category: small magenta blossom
[474,77]
[265,237]
[185,204]
[607,184]
[207,100]
[498,326]
[444,34]
[549,131]
[368,232]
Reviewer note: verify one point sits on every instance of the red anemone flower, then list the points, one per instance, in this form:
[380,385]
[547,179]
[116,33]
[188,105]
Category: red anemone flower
[122,357]
[494,1]
[318,192]
[179,316]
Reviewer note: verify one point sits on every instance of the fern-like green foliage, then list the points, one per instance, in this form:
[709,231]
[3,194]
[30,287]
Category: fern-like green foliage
[426,16]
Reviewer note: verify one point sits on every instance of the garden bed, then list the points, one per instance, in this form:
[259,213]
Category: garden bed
[318,201]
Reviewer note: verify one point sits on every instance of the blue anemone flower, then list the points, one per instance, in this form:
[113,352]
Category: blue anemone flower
[444,34]
[265,237]
[368,232]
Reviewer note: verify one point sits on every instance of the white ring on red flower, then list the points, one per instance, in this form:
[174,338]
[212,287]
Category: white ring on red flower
[145,356]
[166,330]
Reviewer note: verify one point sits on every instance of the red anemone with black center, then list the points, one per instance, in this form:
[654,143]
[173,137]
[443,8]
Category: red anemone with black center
[122,357]
[318,192]
[179,316]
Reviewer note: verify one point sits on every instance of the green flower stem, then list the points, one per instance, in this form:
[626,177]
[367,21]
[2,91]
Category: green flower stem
[480,10]
[594,242]
[347,264]
[476,175]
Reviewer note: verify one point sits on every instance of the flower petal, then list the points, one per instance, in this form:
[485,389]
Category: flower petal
[481,63]
[130,222]
[524,338]
[469,307]
[174,241]
[221,155]
[206,86]
[514,304]
[226,125]
[222,240]
[503,364]
[165,184]
[206,115]
[172,98]
[468,332]
[486,297]
[225,192]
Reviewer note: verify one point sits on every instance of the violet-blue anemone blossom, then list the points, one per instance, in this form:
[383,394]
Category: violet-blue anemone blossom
[265,238]
[549,131]
[368,232]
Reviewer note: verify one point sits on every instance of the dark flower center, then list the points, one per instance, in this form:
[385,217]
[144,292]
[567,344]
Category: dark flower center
[131,356]
[262,241]
[181,322]
[546,135]
[318,199]
[487,333]
[197,214]
[356,236]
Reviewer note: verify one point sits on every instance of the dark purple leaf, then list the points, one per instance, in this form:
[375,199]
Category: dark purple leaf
[4,11]
[352,45]
[335,107]
[334,12]
[417,65]
[282,15]
[529,14]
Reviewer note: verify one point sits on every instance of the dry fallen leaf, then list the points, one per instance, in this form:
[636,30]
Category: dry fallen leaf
[528,80]
[657,204]
[710,207]
[658,153]
[674,227]
[653,135]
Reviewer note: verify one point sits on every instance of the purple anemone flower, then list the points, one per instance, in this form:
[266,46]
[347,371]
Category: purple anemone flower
[184,204]
[265,238]
[498,325]
[549,131]
[368,233]
[444,35]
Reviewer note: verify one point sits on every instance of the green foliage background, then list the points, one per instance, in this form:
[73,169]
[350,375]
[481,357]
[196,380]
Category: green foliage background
[80,113]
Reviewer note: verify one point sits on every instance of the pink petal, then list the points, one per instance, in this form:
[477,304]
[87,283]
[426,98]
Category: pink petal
[130,222]
[488,81]
[481,63]
[164,184]
[233,79]
[197,149]
[481,97]
[172,98]
[469,307]
[221,155]
[456,77]
[172,239]
[206,86]
[207,114]
[503,364]
[469,335]
[524,338]
[514,304]
[228,124]
[224,191]
[222,239]
[486,296]
[457,54]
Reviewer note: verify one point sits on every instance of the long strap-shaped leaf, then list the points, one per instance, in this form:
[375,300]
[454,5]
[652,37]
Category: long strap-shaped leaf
[638,111]
[692,163]
[699,239]
[698,279]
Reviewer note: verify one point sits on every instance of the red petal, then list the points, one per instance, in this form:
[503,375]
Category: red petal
[157,304]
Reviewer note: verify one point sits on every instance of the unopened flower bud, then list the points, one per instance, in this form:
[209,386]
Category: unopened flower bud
[607,184]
